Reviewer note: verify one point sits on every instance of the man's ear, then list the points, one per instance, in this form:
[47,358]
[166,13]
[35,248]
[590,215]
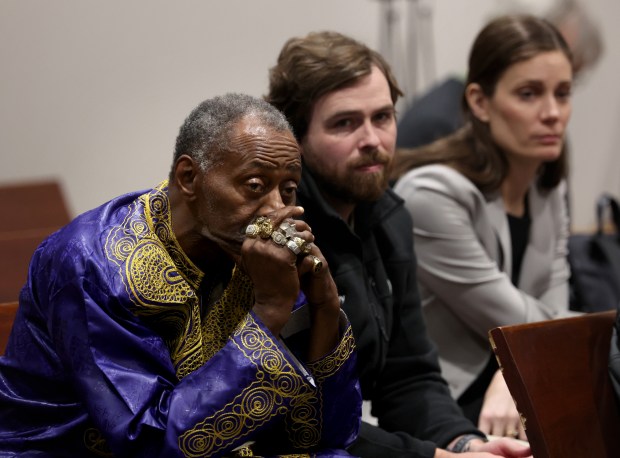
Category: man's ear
[477,101]
[186,175]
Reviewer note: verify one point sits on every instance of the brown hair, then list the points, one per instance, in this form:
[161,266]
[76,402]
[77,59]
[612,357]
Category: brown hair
[311,66]
[471,150]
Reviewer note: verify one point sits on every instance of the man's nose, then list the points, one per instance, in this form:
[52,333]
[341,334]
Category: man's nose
[273,201]
[369,137]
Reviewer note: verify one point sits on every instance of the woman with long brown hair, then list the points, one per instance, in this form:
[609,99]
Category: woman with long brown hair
[489,209]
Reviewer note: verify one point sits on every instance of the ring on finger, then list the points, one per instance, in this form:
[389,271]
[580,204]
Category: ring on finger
[302,244]
[293,246]
[288,228]
[265,227]
[317,264]
[251,230]
[279,237]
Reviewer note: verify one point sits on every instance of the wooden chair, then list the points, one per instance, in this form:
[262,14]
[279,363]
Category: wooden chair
[557,373]
[31,212]
[7,315]
[32,205]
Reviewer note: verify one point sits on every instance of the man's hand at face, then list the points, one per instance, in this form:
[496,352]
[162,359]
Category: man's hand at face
[280,257]
[273,270]
[322,294]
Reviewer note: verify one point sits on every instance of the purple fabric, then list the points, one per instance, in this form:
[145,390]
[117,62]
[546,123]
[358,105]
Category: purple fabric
[85,375]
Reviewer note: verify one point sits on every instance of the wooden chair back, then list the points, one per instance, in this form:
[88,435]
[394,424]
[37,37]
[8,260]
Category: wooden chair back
[7,315]
[557,373]
[32,211]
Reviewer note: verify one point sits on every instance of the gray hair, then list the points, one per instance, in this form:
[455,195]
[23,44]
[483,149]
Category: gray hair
[206,132]
[580,31]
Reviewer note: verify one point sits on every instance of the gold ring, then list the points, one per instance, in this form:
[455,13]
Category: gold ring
[301,243]
[251,230]
[279,237]
[512,433]
[265,227]
[293,246]
[317,264]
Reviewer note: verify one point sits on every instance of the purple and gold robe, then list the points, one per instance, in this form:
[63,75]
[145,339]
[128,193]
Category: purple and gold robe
[112,354]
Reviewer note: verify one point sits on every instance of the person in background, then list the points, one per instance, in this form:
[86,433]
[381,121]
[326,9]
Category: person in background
[339,96]
[489,210]
[197,318]
[437,112]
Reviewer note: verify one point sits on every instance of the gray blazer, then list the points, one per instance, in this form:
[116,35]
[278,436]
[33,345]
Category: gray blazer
[462,242]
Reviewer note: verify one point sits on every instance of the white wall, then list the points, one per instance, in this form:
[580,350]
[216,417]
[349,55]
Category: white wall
[93,92]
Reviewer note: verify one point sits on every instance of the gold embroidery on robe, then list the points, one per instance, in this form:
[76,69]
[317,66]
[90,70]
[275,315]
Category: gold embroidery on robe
[277,382]
[95,443]
[163,285]
[330,364]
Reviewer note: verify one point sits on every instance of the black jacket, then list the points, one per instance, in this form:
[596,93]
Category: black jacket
[374,270]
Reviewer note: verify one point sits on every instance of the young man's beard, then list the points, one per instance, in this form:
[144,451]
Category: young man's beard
[355,187]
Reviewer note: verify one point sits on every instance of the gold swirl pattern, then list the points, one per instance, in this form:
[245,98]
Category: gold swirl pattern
[95,443]
[163,285]
[226,315]
[329,365]
[246,451]
[159,278]
[277,383]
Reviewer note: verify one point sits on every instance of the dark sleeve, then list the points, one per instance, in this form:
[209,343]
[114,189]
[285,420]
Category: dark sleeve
[411,396]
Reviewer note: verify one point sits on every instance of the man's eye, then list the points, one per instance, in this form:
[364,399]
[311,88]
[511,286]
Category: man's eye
[526,94]
[289,191]
[385,116]
[255,186]
[342,123]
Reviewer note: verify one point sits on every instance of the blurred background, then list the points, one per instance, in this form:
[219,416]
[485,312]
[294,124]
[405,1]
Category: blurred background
[92,93]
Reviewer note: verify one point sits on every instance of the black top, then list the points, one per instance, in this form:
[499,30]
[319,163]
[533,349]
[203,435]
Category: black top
[374,269]
[519,236]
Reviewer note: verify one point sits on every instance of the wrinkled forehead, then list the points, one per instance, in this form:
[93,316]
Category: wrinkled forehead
[253,137]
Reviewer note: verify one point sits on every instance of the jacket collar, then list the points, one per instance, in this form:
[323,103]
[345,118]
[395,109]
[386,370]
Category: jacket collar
[367,215]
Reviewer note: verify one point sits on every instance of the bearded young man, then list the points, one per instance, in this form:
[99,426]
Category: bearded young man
[339,96]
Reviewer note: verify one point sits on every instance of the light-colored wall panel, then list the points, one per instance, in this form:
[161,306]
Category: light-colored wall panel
[94,92]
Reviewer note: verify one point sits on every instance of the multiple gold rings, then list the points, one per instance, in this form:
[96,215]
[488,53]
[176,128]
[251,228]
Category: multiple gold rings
[284,235]
[261,227]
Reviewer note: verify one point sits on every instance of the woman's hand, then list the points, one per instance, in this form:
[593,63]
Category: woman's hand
[497,448]
[499,416]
